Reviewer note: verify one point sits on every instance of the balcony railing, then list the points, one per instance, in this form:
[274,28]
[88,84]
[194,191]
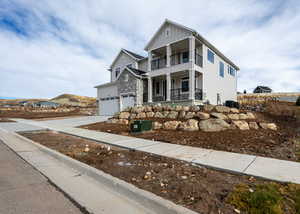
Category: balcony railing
[198,94]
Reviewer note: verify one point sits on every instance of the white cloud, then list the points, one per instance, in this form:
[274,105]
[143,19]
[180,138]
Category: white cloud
[260,36]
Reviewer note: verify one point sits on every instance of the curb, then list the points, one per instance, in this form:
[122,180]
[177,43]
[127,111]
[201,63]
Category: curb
[148,200]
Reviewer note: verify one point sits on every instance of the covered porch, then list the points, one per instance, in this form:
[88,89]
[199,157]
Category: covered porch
[173,87]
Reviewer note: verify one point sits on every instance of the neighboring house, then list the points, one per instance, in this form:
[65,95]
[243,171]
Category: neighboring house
[262,89]
[181,68]
[46,104]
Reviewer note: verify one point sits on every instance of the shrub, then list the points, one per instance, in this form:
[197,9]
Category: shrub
[298,101]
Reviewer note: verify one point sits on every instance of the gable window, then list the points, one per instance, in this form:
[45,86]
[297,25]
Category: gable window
[167,32]
[231,70]
[185,84]
[126,78]
[185,57]
[210,56]
[221,69]
[117,72]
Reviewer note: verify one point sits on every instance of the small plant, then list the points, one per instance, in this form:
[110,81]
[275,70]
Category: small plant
[298,101]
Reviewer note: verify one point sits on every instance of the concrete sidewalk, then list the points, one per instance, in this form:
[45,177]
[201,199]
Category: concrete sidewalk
[24,190]
[269,168]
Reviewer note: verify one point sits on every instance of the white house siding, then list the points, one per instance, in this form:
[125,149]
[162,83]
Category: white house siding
[213,83]
[143,65]
[107,91]
[107,106]
[121,62]
[175,34]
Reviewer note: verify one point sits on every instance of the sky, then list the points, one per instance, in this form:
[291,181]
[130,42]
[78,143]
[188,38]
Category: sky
[50,47]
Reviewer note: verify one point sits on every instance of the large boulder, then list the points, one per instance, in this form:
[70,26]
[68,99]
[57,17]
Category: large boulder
[185,108]
[124,115]
[243,116]
[271,126]
[222,109]
[156,125]
[189,125]
[234,110]
[150,114]
[202,115]
[195,108]
[253,125]
[181,114]
[165,113]
[189,115]
[213,125]
[178,108]
[250,115]
[159,115]
[208,108]
[233,116]
[241,124]
[219,115]
[148,108]
[136,109]
[132,116]
[172,115]
[171,125]
[123,121]
[141,115]
[113,120]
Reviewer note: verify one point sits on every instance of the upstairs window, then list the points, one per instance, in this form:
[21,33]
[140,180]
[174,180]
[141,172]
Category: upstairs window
[117,72]
[221,69]
[210,56]
[185,57]
[231,70]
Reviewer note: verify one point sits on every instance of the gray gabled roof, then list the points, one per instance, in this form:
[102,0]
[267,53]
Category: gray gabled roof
[137,56]
[198,36]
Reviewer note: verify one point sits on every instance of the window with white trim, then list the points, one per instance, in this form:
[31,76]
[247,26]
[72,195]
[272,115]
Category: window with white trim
[231,70]
[221,69]
[117,71]
[210,56]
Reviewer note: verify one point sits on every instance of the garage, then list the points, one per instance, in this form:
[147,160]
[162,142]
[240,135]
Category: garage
[127,101]
[109,106]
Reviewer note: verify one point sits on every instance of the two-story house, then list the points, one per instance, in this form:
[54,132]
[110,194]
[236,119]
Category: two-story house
[182,68]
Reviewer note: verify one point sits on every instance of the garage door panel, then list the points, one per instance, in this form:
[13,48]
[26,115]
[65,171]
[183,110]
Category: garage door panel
[109,107]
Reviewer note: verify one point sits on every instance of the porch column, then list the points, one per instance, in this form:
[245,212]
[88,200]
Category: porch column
[149,60]
[169,53]
[192,84]
[168,77]
[149,90]
[192,50]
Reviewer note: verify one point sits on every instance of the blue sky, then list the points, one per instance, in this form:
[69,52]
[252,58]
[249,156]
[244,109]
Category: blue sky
[49,47]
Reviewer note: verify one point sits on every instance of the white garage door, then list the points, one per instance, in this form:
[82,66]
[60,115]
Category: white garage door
[109,106]
[127,101]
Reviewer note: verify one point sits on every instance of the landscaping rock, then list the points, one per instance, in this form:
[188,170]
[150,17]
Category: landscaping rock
[189,115]
[159,115]
[113,120]
[219,115]
[271,126]
[202,115]
[136,109]
[189,125]
[181,114]
[213,125]
[132,116]
[222,109]
[123,121]
[233,116]
[172,115]
[124,115]
[156,125]
[171,125]
[148,108]
[253,125]
[166,113]
[243,116]
[178,108]
[208,108]
[185,108]
[250,115]
[234,110]
[141,115]
[242,125]
[150,114]
[195,108]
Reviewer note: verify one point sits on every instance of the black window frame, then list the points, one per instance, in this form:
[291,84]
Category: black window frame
[184,87]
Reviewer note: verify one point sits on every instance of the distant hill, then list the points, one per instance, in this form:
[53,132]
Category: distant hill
[74,100]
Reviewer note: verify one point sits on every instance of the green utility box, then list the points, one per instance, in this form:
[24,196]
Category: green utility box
[141,126]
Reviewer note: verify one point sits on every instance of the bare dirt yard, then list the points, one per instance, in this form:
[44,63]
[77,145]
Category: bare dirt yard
[281,144]
[200,189]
